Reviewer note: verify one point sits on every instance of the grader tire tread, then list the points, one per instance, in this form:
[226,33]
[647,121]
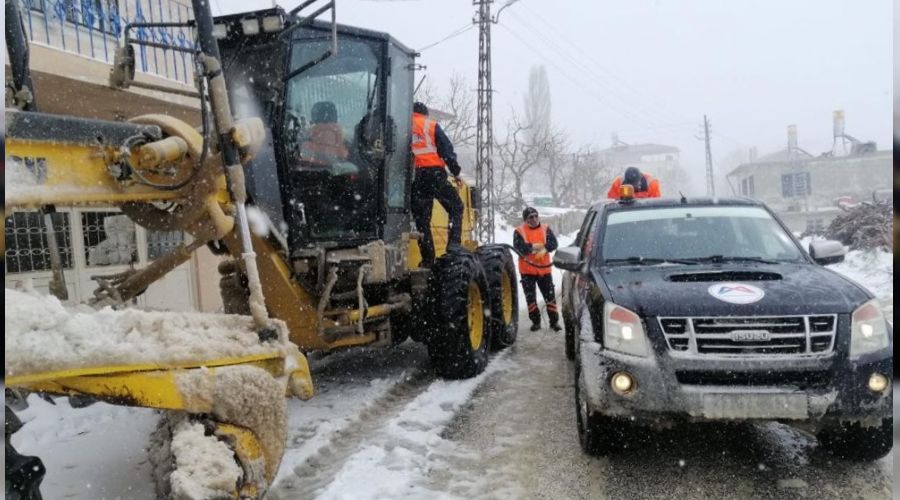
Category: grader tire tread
[449,344]
[497,261]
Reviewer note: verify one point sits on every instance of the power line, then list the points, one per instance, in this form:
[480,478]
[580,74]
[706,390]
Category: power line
[587,88]
[610,75]
[455,33]
[596,77]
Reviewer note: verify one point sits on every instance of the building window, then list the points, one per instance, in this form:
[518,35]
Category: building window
[96,14]
[109,239]
[795,185]
[26,242]
[160,243]
[747,186]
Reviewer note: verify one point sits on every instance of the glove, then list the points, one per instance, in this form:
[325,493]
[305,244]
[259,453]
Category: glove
[454,169]
[541,253]
[537,247]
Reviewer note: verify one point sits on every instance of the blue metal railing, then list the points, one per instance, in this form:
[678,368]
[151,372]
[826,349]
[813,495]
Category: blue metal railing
[94,28]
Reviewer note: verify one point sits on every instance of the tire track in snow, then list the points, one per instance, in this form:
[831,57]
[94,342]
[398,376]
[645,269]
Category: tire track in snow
[386,453]
[319,469]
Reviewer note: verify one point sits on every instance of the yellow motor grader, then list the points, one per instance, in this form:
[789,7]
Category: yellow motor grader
[305,126]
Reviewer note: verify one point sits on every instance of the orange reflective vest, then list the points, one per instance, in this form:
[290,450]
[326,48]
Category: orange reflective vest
[325,144]
[424,145]
[531,236]
[651,192]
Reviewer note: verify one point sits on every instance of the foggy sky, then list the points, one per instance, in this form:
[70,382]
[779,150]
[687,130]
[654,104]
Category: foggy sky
[650,69]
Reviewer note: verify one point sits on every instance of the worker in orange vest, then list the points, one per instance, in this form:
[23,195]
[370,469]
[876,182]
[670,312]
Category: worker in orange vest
[645,186]
[432,155]
[534,241]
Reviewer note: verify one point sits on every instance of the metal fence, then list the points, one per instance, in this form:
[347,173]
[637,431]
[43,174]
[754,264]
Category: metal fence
[94,28]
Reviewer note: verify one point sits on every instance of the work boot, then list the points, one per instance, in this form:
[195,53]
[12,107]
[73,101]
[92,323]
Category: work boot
[535,327]
[555,327]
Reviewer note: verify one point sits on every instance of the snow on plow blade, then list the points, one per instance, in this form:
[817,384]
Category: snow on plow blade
[223,388]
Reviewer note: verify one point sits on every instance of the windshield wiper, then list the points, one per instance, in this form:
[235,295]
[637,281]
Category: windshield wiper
[721,259]
[649,261]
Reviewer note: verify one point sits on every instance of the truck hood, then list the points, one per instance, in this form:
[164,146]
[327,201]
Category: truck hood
[731,289]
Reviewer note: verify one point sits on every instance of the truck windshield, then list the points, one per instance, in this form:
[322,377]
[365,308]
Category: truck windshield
[696,233]
[330,110]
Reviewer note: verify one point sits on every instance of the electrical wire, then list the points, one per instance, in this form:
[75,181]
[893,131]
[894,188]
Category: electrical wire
[598,79]
[457,32]
[595,66]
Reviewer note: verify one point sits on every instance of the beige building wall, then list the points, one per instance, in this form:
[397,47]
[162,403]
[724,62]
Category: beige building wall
[70,64]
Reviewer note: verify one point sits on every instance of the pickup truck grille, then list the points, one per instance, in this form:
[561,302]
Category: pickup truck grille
[751,336]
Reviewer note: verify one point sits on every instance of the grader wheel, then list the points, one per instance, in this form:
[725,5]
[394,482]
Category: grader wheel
[459,340]
[500,272]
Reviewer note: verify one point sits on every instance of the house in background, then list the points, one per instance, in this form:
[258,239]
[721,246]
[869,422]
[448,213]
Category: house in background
[72,47]
[657,160]
[805,190]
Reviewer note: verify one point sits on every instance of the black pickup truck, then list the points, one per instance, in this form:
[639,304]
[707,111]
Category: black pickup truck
[710,310]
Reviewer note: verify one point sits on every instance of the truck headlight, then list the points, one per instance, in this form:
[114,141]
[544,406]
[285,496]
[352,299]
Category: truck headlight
[623,331]
[868,330]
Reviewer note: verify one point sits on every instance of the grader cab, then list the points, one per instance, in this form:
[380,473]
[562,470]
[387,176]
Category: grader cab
[307,123]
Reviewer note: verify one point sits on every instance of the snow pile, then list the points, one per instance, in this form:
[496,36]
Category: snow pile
[17,177]
[204,466]
[247,396]
[44,335]
[873,269]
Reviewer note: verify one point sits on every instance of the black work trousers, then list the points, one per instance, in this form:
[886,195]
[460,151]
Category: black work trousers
[431,184]
[545,283]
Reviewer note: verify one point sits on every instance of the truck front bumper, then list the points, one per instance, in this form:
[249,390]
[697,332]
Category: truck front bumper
[813,391]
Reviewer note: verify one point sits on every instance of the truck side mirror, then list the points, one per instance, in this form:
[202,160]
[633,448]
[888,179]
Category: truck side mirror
[568,258]
[827,252]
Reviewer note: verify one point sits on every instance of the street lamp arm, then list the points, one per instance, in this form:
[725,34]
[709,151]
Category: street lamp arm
[496,18]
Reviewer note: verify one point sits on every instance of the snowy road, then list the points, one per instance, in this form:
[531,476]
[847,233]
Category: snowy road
[382,426]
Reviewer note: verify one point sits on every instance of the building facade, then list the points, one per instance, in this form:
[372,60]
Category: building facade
[72,47]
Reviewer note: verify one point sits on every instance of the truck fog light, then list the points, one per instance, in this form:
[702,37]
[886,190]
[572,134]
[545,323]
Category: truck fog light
[622,383]
[878,382]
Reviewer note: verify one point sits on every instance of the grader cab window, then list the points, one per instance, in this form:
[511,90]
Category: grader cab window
[332,135]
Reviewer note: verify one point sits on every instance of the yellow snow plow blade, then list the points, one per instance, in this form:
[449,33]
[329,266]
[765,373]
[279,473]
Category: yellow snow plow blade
[155,386]
[221,384]
[255,441]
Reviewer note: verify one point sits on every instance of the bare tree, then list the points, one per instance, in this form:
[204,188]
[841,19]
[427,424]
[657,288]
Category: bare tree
[518,156]
[459,102]
[558,165]
[537,105]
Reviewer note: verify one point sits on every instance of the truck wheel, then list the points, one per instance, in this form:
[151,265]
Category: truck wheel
[459,338]
[598,435]
[233,289]
[855,442]
[500,272]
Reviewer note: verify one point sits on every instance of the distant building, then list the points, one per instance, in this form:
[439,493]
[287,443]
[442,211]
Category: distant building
[657,160]
[806,190]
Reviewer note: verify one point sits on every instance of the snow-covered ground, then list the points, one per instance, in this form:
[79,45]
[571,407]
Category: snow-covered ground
[374,430]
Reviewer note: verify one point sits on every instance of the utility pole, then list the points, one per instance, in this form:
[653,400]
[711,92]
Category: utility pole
[484,139]
[710,179]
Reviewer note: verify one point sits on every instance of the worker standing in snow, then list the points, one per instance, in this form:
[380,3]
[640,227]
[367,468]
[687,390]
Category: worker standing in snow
[534,241]
[645,186]
[433,155]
